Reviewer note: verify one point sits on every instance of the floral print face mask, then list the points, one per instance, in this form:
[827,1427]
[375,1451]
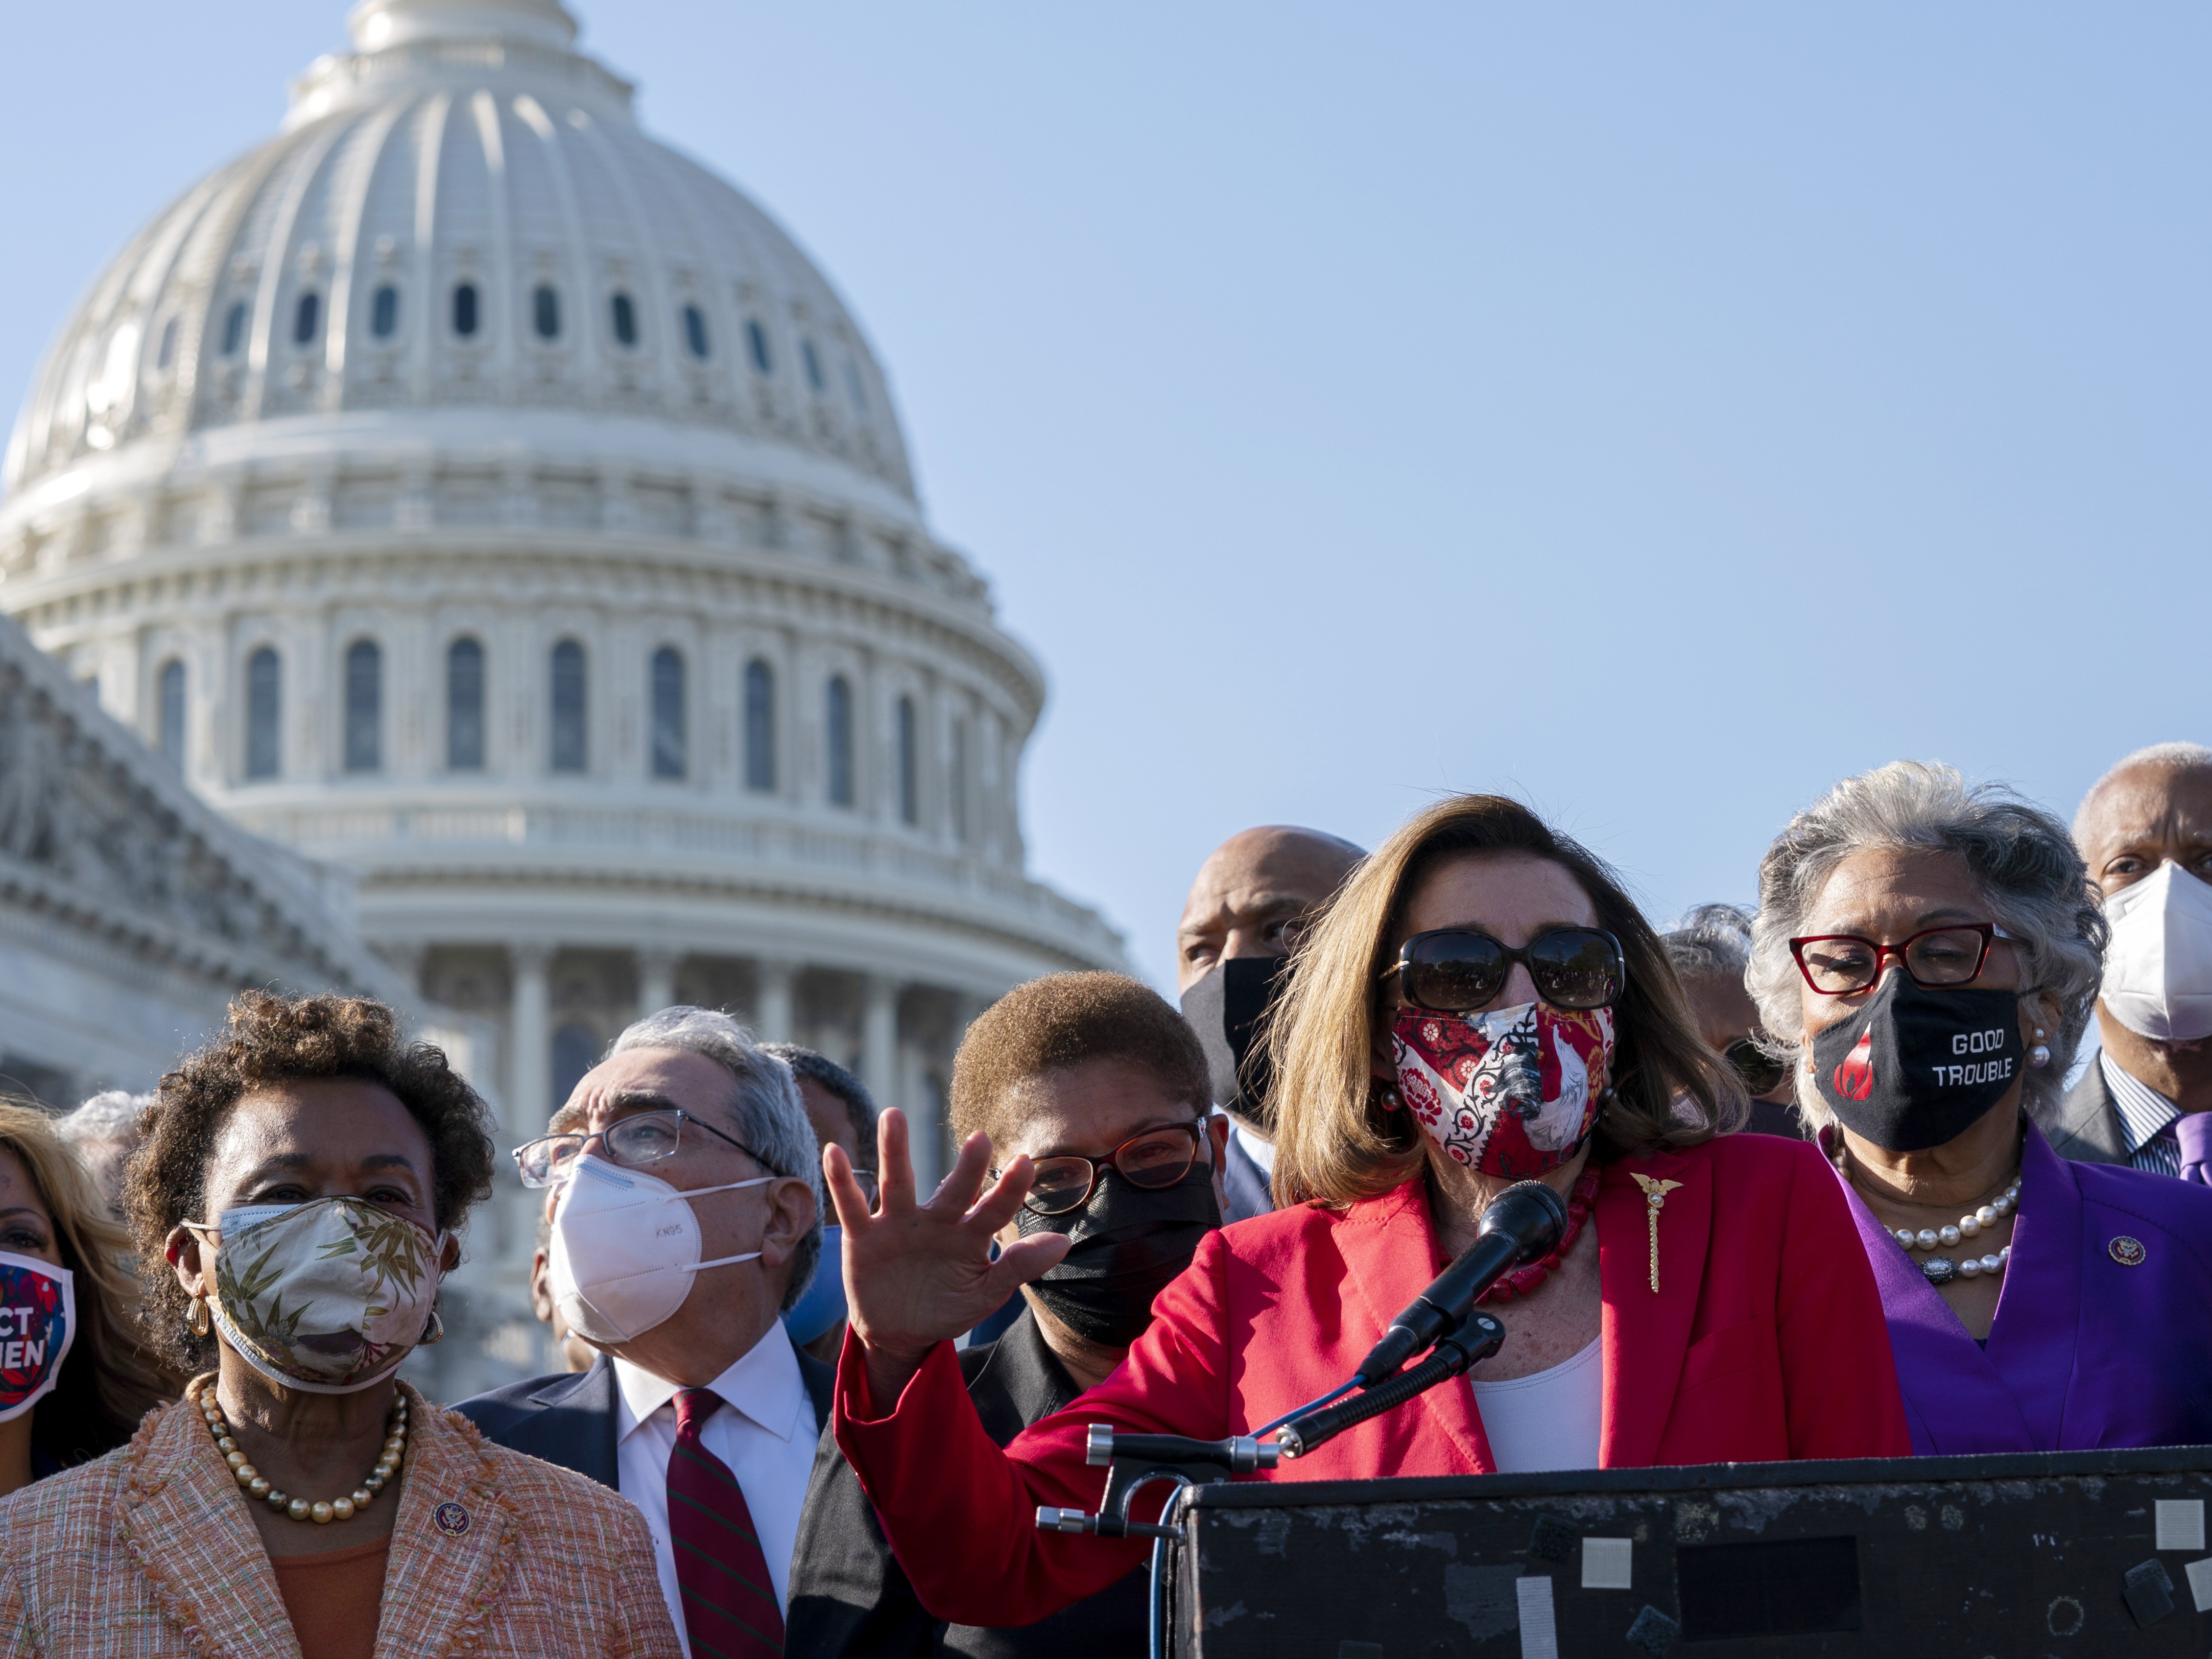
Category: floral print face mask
[1512,1092]
[327,1296]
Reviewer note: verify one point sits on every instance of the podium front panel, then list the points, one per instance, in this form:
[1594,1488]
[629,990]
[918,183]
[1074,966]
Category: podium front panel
[2066,1553]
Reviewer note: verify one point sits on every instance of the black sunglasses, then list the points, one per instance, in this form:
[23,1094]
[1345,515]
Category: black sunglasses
[1456,970]
[1759,1071]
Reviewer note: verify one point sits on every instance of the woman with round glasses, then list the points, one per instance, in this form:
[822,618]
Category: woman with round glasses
[1481,1005]
[1103,1087]
[1935,950]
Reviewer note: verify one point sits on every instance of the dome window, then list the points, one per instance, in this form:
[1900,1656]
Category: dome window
[624,312]
[909,763]
[233,329]
[264,695]
[807,355]
[668,746]
[465,706]
[384,311]
[760,728]
[464,309]
[364,707]
[165,353]
[757,337]
[307,318]
[568,750]
[694,332]
[172,733]
[545,311]
[839,711]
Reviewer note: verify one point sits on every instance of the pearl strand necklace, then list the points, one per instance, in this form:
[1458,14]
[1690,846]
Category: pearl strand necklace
[256,1485]
[1941,1270]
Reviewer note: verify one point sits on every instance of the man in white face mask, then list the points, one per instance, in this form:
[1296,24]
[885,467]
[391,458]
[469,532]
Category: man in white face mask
[688,1217]
[2146,832]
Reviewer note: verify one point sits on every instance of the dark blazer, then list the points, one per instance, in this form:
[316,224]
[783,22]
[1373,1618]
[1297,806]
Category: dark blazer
[569,1418]
[850,1598]
[2085,1126]
[1246,1183]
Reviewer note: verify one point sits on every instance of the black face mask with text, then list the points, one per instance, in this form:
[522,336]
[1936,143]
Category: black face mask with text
[1224,1008]
[1915,1067]
[1128,1243]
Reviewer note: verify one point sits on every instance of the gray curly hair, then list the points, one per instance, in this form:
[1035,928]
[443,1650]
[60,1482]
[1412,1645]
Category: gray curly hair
[1713,939]
[2021,858]
[772,1119]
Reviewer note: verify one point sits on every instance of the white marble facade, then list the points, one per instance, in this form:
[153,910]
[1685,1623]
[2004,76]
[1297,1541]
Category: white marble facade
[468,490]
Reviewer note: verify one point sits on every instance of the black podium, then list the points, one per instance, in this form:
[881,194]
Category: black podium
[2014,1557]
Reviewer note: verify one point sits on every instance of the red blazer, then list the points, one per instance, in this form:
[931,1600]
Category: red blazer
[1765,1341]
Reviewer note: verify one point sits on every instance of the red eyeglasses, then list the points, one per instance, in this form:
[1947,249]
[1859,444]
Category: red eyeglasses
[1837,964]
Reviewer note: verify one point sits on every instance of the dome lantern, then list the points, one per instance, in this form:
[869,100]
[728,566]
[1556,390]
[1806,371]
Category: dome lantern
[375,25]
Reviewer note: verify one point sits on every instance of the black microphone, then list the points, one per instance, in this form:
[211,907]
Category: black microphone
[1523,1224]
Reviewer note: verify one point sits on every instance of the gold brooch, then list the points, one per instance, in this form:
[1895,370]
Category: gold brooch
[1655,1198]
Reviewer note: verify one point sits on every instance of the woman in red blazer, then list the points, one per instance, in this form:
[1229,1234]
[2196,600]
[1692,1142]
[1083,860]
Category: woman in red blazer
[1482,1004]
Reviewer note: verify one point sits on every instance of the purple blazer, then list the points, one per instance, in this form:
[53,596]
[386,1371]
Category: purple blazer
[2104,1328]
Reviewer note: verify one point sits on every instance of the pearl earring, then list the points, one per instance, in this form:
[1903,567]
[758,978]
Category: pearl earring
[2039,1055]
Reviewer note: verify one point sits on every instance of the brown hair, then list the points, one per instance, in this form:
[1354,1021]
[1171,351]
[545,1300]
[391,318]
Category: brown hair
[1065,1019]
[111,1378]
[271,1040]
[1339,1143]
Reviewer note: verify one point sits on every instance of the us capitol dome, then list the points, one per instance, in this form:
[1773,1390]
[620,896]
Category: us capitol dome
[467,490]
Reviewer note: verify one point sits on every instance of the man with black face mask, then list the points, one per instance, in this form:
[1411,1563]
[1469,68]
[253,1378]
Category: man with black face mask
[1254,896]
[1103,1087]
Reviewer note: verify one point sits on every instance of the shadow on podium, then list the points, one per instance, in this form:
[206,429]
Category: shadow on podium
[2012,1557]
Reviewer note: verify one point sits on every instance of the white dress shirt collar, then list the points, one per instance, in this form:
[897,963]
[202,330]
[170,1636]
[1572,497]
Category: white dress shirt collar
[764,1385]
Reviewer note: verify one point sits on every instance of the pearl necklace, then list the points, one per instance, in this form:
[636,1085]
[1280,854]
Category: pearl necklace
[1941,1270]
[299,1508]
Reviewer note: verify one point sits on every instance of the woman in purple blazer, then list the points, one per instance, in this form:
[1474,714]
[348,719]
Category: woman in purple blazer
[1933,951]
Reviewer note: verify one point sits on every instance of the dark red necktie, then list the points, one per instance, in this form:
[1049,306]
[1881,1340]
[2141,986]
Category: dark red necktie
[729,1600]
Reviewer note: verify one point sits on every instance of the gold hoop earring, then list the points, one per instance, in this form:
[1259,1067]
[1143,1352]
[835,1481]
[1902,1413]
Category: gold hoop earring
[436,1333]
[199,1320]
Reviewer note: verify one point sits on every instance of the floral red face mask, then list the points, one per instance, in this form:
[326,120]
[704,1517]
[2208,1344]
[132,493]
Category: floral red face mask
[1512,1092]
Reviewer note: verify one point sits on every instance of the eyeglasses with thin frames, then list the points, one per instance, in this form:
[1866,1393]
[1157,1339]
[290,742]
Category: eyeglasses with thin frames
[1151,1158]
[637,1140]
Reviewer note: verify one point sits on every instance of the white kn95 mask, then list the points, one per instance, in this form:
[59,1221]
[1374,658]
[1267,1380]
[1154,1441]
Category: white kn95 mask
[624,1247]
[2158,968]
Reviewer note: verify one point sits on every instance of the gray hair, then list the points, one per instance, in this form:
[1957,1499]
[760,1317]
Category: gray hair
[1712,940]
[111,1114]
[772,1119]
[811,1066]
[2021,858]
[2179,757]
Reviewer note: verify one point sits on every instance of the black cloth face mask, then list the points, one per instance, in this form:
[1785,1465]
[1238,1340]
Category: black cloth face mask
[1128,1243]
[1916,1068]
[1225,1009]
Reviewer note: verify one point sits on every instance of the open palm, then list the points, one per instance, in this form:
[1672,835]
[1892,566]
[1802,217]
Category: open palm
[919,1274]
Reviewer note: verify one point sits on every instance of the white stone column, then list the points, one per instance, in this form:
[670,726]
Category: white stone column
[656,981]
[530,1040]
[879,1039]
[771,1017]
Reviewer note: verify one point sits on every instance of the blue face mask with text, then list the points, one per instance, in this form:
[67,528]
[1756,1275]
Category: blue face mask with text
[38,1322]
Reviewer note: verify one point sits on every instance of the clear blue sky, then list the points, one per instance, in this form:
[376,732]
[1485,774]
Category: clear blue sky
[1655,412]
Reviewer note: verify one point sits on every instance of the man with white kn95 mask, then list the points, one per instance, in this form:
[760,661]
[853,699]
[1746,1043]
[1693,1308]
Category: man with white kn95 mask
[2145,830]
[689,1218]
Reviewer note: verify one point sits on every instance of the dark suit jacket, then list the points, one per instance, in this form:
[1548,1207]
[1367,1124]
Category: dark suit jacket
[2087,1126]
[1246,1183]
[850,1597]
[569,1419]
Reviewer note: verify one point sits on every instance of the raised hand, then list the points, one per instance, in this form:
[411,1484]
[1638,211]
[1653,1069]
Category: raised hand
[919,1274]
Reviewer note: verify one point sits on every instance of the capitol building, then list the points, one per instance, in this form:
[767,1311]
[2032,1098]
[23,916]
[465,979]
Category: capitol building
[465,492]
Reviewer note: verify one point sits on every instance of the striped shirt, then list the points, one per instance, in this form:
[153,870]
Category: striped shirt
[2147,1116]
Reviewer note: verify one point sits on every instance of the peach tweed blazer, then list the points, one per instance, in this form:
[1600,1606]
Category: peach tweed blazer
[149,1552]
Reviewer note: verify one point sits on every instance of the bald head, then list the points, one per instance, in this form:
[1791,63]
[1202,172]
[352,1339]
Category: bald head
[1253,894]
[2155,805]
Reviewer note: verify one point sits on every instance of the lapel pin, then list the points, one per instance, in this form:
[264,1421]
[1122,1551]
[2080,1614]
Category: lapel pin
[450,1518]
[2127,1252]
[1655,1194]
